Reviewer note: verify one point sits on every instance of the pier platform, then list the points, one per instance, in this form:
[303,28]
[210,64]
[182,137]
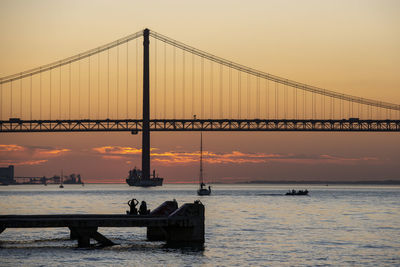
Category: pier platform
[177,226]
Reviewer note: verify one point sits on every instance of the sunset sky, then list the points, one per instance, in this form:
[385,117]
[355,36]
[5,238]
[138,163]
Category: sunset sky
[349,47]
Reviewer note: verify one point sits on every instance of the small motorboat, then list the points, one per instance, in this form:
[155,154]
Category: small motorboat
[297,193]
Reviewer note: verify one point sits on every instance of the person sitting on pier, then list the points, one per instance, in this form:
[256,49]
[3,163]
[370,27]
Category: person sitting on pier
[132,204]
[143,208]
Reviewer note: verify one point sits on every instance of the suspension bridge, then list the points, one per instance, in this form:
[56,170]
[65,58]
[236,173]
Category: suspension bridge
[176,88]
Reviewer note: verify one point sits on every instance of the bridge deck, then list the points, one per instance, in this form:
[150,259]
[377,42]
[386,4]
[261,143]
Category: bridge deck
[134,126]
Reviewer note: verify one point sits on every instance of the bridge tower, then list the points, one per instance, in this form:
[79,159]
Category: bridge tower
[146,107]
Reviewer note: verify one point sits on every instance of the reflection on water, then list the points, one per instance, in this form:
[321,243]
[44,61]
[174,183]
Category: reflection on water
[245,225]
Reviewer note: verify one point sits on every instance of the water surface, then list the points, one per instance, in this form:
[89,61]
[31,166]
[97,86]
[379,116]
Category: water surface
[245,225]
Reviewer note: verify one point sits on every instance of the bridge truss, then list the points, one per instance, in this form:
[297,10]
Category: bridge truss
[183,125]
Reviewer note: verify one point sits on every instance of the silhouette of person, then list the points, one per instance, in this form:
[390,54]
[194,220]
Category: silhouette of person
[132,204]
[143,208]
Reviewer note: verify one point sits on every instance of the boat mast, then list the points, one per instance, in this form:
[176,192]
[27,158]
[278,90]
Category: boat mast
[62,179]
[201,158]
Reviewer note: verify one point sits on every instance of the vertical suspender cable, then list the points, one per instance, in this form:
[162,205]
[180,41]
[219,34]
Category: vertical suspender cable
[89,88]
[50,93]
[276,100]
[211,89]
[40,95]
[285,102]
[165,81]
[174,83]
[323,105]
[127,79]
[117,82]
[193,81]
[342,108]
[352,108]
[183,84]
[230,93]
[137,78]
[312,105]
[304,104]
[239,94]
[248,95]
[79,89]
[155,79]
[258,97]
[1,101]
[30,94]
[69,96]
[220,91]
[11,100]
[294,102]
[267,98]
[98,85]
[108,83]
[20,98]
[59,94]
[202,88]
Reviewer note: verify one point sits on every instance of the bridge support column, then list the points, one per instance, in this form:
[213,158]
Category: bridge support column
[146,107]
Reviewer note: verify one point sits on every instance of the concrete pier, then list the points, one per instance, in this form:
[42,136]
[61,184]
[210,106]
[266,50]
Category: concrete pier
[184,225]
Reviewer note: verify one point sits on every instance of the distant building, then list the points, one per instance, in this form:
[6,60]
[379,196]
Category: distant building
[7,175]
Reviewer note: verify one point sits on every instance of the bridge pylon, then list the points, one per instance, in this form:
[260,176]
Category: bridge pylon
[146,107]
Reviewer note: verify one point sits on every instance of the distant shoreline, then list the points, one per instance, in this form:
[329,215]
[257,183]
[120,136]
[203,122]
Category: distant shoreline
[385,182]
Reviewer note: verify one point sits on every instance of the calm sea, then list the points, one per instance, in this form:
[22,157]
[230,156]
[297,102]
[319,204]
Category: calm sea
[245,225]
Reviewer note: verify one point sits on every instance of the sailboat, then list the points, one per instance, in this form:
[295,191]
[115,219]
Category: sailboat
[202,190]
[61,180]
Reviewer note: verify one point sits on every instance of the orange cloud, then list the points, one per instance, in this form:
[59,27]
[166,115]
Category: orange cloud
[11,154]
[234,157]
[51,152]
[237,157]
[123,150]
[10,148]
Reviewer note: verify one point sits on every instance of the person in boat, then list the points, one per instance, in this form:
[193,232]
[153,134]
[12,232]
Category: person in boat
[202,185]
[132,205]
[143,208]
